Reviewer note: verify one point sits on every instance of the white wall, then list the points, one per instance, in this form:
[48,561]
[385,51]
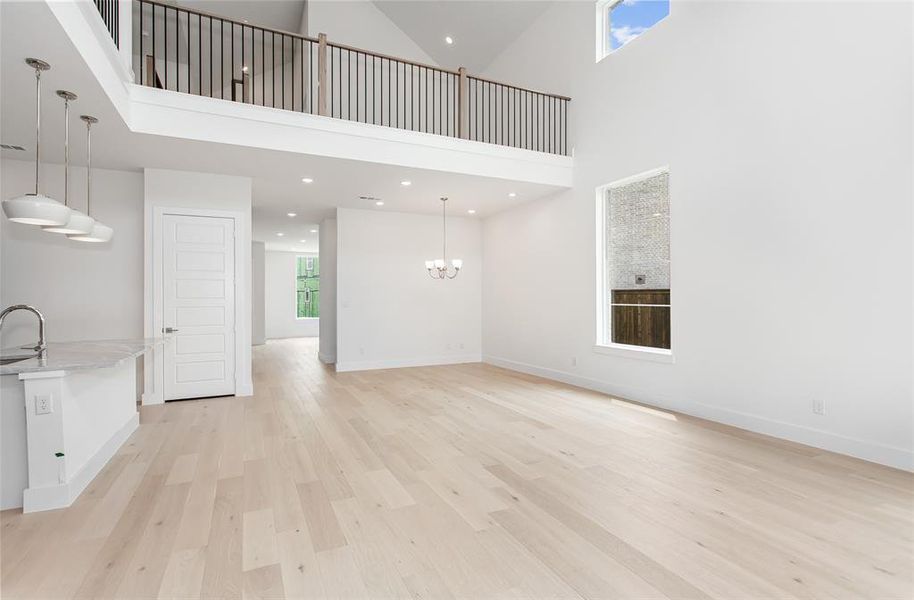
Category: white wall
[86,291]
[359,23]
[185,189]
[258,280]
[787,129]
[328,254]
[279,297]
[390,312]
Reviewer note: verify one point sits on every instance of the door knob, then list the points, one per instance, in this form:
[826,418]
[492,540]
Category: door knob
[170,330]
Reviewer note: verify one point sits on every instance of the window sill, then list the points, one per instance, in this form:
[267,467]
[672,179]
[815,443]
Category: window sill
[636,352]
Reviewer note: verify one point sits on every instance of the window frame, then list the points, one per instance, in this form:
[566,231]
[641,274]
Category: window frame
[603,343]
[604,27]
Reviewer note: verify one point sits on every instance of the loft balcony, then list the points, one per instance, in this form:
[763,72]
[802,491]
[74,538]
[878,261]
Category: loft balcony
[180,74]
[202,54]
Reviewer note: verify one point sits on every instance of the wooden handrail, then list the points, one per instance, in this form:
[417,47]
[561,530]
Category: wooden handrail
[393,58]
[519,88]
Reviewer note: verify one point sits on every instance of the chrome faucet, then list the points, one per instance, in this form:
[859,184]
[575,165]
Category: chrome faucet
[42,346]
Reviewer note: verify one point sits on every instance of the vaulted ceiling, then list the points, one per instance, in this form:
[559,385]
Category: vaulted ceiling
[481,29]
[285,15]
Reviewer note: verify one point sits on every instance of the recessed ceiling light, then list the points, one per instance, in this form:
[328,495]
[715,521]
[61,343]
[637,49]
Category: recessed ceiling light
[314,231]
[291,214]
[406,183]
[511,194]
[303,241]
[307,180]
[656,215]
[280,234]
[379,203]
[472,211]
[448,39]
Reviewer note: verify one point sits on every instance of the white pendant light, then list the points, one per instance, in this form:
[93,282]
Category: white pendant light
[438,268]
[36,209]
[78,222]
[100,233]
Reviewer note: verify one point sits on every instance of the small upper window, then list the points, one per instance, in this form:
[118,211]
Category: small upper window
[621,21]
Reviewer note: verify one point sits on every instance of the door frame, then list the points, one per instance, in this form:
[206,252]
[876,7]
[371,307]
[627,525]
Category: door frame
[154,388]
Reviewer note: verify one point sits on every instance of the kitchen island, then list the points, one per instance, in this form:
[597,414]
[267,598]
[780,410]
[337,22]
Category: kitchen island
[64,414]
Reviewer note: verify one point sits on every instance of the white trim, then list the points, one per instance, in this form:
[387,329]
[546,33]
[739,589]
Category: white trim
[370,365]
[243,387]
[660,355]
[148,398]
[169,113]
[891,456]
[602,25]
[65,494]
[42,375]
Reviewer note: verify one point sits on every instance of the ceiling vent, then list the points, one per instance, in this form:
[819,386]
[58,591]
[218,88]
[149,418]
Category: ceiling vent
[12,147]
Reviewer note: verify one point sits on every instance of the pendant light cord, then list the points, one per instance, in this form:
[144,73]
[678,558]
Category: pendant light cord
[66,152]
[88,167]
[37,129]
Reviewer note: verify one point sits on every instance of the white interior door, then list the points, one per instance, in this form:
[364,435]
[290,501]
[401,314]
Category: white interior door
[198,306]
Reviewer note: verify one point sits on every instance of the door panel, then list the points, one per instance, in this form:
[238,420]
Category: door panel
[199,304]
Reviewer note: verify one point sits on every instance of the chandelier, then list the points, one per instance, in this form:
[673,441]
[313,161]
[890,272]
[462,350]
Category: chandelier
[438,268]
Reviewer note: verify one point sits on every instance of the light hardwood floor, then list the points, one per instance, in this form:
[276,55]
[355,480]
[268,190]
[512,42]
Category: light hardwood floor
[459,482]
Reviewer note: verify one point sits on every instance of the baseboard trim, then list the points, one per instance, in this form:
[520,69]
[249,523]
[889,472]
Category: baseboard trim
[148,399]
[890,456]
[371,365]
[244,389]
[65,494]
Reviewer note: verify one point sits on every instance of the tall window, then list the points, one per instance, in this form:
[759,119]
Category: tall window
[307,287]
[621,21]
[634,272]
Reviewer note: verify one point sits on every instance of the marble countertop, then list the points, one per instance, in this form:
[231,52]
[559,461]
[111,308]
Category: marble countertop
[71,356]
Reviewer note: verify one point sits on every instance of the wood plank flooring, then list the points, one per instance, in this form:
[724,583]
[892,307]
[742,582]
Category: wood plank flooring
[459,482]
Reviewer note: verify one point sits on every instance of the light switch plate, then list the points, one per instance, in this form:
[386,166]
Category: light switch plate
[44,404]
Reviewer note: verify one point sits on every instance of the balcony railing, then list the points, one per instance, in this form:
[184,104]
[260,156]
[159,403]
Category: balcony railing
[109,11]
[204,54]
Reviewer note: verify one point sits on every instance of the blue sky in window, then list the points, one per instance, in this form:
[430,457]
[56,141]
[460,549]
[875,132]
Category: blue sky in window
[631,18]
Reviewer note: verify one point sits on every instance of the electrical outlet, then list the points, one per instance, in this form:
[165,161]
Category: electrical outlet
[818,406]
[44,404]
